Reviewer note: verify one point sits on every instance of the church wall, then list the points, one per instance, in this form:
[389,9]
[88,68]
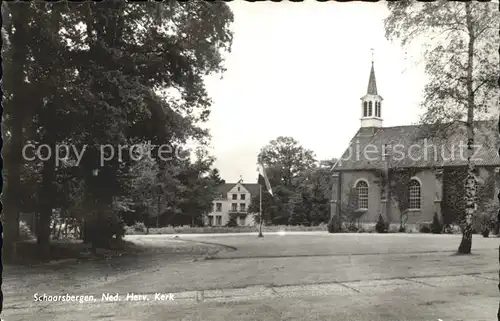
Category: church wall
[350,178]
[428,191]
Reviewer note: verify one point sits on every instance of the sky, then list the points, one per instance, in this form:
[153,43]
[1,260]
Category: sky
[299,70]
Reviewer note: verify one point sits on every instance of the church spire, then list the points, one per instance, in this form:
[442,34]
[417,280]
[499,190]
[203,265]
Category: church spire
[371,103]
[372,83]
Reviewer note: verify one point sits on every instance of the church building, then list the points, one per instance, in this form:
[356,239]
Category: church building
[411,172]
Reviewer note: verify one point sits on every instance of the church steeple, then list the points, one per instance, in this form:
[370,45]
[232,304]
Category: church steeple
[371,103]
[372,83]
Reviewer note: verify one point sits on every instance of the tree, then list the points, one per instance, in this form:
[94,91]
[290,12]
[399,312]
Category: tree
[285,159]
[461,68]
[199,189]
[215,176]
[287,154]
[85,74]
[313,186]
[15,57]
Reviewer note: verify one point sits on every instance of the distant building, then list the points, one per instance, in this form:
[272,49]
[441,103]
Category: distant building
[234,200]
[432,159]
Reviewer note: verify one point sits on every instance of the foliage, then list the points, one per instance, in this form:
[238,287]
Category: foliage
[288,157]
[139,227]
[103,74]
[349,212]
[486,216]
[232,222]
[301,186]
[381,226]
[335,225]
[451,31]
[459,64]
[453,204]
[436,227]
[24,231]
[102,227]
[425,229]
[223,229]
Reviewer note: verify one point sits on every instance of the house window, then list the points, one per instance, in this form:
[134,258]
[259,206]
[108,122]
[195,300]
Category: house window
[365,109]
[235,196]
[242,207]
[370,108]
[218,220]
[234,207]
[414,197]
[210,220]
[238,188]
[242,221]
[218,207]
[362,195]
[242,197]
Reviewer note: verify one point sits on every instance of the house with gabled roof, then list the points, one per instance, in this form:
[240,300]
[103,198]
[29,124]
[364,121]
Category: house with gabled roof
[411,172]
[233,199]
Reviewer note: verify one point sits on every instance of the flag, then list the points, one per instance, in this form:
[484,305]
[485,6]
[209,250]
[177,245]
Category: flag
[263,180]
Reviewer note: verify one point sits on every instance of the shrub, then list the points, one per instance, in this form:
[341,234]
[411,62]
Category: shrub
[102,227]
[402,229]
[381,226]
[486,216]
[393,228]
[352,228]
[425,229]
[436,227]
[452,229]
[139,227]
[335,225]
[232,221]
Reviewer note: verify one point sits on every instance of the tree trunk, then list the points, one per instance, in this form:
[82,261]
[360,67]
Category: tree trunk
[10,200]
[470,182]
[46,205]
[15,110]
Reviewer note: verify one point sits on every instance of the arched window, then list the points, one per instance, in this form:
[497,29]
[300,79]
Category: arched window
[379,109]
[370,108]
[414,197]
[362,195]
[365,109]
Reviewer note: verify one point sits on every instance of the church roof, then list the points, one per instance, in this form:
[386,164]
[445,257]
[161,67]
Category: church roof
[372,83]
[421,146]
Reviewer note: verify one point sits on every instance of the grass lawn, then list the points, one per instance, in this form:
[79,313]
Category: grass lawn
[341,244]
[308,259]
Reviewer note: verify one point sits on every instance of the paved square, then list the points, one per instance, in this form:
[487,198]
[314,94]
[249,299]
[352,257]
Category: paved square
[308,276]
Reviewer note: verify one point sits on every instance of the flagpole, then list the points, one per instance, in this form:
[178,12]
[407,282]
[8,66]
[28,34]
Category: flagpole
[260,214]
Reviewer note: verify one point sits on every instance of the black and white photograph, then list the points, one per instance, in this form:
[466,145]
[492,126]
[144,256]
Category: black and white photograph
[250,160]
